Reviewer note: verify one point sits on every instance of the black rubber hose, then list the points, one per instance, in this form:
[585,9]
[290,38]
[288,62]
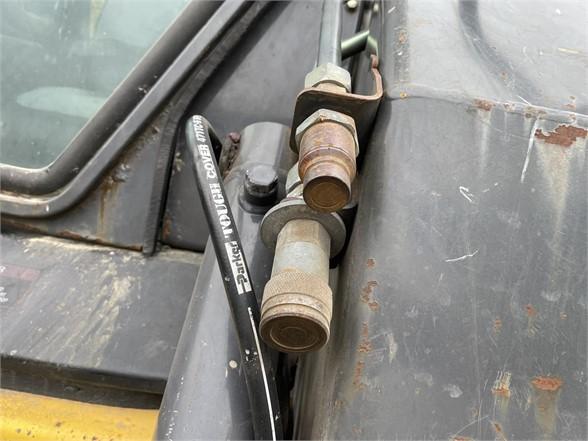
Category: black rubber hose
[261,385]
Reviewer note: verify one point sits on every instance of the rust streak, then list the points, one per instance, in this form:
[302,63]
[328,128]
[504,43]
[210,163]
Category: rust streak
[563,135]
[357,383]
[547,390]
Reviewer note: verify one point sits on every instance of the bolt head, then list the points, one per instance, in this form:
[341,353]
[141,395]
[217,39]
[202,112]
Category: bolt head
[261,184]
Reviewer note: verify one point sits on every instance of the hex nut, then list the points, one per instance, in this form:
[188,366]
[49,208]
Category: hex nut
[323,115]
[328,73]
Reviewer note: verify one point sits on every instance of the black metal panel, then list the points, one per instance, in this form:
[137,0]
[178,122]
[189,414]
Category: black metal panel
[90,313]
[461,309]
[461,306]
[505,51]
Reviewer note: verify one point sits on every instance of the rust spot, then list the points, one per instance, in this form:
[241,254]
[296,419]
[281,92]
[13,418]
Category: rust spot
[563,135]
[367,295]
[497,325]
[547,383]
[364,347]
[371,262]
[531,311]
[533,112]
[484,105]
[357,383]
[402,37]
[166,227]
[499,431]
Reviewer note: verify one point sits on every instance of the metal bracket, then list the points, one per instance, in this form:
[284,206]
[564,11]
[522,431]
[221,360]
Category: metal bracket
[362,108]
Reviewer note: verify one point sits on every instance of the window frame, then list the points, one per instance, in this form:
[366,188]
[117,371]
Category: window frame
[49,190]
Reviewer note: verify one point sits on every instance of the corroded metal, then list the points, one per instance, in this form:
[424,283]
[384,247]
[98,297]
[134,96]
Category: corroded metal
[297,301]
[362,108]
[327,150]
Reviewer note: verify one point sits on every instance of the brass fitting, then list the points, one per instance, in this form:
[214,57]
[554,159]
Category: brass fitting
[297,301]
[327,148]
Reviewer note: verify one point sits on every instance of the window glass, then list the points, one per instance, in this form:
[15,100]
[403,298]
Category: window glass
[60,60]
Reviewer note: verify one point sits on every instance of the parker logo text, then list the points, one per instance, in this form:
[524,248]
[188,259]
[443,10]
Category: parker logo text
[238,267]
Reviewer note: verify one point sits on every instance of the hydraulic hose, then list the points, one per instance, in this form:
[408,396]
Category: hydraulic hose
[259,378]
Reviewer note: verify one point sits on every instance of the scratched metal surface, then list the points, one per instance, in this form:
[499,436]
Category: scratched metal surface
[104,315]
[461,306]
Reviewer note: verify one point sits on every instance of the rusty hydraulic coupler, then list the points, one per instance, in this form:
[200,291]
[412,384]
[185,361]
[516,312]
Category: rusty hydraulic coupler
[327,148]
[327,145]
[297,301]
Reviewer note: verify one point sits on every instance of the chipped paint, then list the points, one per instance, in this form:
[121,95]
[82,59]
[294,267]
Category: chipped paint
[563,135]
[453,389]
[551,384]
[483,104]
[392,347]
[497,325]
[501,385]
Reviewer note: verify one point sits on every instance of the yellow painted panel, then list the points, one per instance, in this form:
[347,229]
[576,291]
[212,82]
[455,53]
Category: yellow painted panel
[29,417]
